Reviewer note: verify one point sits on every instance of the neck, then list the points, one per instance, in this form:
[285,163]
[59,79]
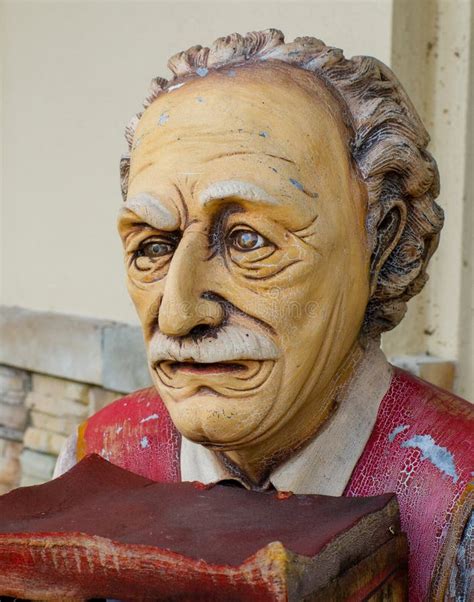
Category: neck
[254,464]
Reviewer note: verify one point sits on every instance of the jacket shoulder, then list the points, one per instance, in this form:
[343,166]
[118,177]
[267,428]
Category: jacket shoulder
[134,406]
[422,449]
[428,408]
[136,433]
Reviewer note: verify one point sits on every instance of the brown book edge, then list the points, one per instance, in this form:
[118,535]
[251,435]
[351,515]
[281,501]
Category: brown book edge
[84,566]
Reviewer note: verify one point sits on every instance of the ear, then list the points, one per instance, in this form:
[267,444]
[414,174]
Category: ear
[389,230]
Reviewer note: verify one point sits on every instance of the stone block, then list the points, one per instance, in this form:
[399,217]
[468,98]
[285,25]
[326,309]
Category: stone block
[29,480]
[99,398]
[60,387]
[10,434]
[435,370]
[44,441]
[13,397]
[13,416]
[64,425]
[10,449]
[51,343]
[125,367]
[9,471]
[13,379]
[99,352]
[55,406]
[36,464]
[5,488]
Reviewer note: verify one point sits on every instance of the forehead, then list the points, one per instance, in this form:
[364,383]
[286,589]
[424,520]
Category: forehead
[269,109]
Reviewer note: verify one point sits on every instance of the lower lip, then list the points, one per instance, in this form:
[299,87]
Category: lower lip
[216,368]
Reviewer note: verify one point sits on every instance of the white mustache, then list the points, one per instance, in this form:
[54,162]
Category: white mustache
[232,342]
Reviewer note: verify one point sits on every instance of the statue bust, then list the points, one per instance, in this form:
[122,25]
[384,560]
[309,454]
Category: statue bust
[279,212]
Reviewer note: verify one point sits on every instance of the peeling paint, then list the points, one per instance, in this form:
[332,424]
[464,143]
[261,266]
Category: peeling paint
[150,417]
[175,87]
[397,430]
[299,186]
[144,443]
[163,118]
[296,184]
[202,71]
[439,456]
[119,430]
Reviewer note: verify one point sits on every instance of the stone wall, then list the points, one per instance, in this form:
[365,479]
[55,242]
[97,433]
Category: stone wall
[14,387]
[55,371]
[37,414]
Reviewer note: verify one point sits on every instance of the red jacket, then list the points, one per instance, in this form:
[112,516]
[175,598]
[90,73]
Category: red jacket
[421,448]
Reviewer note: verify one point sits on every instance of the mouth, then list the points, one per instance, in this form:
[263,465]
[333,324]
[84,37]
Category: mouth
[206,367]
[232,377]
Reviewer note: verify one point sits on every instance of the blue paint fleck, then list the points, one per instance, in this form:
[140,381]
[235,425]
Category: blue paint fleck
[263,134]
[296,184]
[163,118]
[231,73]
[150,417]
[439,456]
[202,71]
[396,431]
[144,442]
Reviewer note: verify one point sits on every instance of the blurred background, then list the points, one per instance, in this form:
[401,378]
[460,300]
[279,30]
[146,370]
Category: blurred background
[73,73]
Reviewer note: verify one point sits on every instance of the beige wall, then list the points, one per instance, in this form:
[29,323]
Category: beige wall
[74,72]
[432,51]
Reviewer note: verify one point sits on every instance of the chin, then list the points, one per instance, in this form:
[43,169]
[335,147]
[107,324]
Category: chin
[216,421]
[218,405]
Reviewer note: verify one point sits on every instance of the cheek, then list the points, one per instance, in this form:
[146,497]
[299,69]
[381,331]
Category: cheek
[146,299]
[328,301]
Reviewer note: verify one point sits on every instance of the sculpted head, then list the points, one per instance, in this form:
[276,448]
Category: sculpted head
[279,211]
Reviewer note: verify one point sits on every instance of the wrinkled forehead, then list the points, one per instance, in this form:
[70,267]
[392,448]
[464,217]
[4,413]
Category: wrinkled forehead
[270,107]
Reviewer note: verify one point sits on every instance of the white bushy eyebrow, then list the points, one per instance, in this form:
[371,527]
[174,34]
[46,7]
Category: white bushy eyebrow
[236,188]
[152,211]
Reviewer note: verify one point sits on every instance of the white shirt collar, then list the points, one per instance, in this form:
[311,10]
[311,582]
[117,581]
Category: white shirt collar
[325,465]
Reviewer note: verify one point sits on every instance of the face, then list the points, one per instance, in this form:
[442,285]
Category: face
[245,251]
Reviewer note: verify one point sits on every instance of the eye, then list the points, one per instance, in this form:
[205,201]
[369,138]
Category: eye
[155,248]
[246,240]
[153,253]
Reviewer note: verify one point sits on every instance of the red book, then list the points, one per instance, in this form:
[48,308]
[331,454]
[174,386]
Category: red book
[102,532]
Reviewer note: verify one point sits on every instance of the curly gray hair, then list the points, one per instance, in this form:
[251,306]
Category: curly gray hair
[388,147]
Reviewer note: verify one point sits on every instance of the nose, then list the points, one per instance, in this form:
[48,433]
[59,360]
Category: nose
[187,300]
